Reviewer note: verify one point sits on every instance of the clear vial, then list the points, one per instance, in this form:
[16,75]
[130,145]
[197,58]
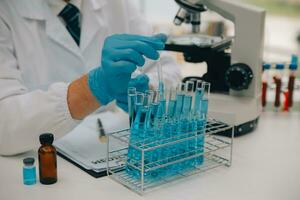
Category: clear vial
[29,171]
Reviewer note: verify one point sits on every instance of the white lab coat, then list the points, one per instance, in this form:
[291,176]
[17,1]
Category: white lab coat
[38,58]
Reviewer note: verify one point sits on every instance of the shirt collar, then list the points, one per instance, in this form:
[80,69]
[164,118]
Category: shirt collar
[58,5]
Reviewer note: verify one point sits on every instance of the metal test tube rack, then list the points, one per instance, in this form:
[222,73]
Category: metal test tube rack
[217,152]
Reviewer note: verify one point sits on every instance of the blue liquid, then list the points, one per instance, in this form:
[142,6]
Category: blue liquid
[161,108]
[179,104]
[190,129]
[200,140]
[153,125]
[131,111]
[198,97]
[204,106]
[186,108]
[171,108]
[161,89]
[175,131]
[187,130]
[142,133]
[134,155]
[154,110]
[29,175]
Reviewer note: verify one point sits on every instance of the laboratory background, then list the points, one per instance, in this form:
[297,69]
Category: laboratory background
[228,128]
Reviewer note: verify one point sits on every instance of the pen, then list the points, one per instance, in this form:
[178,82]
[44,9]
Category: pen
[102,135]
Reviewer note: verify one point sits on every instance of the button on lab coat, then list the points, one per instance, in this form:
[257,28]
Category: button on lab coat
[38,58]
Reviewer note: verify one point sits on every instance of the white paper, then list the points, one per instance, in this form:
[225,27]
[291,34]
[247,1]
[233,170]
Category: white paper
[82,145]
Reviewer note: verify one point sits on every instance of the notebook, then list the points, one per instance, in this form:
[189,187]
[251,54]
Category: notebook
[82,146]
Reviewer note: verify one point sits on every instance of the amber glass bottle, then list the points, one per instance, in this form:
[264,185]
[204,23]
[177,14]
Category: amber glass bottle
[47,159]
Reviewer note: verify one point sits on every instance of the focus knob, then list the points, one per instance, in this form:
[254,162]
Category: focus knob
[238,76]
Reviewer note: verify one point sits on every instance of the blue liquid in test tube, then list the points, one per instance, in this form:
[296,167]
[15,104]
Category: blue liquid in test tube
[201,120]
[171,108]
[176,129]
[187,125]
[134,155]
[131,104]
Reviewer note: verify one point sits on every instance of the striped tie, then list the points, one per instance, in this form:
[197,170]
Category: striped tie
[71,16]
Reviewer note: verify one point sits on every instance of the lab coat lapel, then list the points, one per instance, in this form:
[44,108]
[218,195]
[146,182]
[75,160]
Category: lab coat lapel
[93,21]
[58,33]
[39,10]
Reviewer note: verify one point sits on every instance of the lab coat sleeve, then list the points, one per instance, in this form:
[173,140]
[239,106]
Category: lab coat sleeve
[171,71]
[27,114]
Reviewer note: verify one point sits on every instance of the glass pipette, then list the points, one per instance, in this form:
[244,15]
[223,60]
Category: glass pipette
[160,79]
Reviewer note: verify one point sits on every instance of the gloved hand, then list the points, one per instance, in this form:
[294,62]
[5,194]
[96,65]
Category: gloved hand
[141,83]
[121,54]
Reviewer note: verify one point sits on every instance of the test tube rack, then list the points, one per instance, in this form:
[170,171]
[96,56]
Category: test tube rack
[217,152]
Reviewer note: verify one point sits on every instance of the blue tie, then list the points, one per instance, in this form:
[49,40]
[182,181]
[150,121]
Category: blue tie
[71,16]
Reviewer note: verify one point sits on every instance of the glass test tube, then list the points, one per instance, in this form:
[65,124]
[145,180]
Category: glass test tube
[206,93]
[131,104]
[187,124]
[171,103]
[139,101]
[265,78]
[162,104]
[161,86]
[199,92]
[292,76]
[203,91]
[277,79]
[134,155]
[188,98]
[148,99]
[179,99]
[179,127]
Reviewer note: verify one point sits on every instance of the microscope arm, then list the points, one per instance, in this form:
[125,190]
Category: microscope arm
[249,36]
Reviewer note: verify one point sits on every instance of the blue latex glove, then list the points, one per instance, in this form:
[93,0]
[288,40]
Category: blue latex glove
[141,83]
[121,54]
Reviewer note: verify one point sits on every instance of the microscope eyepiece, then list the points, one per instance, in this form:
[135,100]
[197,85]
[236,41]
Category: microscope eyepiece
[180,16]
[189,13]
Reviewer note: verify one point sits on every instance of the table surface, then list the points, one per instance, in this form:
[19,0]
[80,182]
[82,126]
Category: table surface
[266,165]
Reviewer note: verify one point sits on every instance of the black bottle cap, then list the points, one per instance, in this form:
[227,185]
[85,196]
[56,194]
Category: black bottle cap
[28,161]
[46,138]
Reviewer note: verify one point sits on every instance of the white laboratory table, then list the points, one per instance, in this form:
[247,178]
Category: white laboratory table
[266,166]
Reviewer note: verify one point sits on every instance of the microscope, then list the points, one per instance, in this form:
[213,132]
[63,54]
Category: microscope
[234,64]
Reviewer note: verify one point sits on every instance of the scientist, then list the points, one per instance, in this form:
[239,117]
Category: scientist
[62,60]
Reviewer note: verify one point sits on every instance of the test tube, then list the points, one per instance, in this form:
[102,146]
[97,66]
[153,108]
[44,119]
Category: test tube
[278,83]
[293,70]
[148,99]
[139,101]
[134,155]
[203,89]
[131,104]
[204,103]
[187,125]
[160,78]
[199,92]
[162,104]
[171,103]
[179,99]
[265,78]
[188,98]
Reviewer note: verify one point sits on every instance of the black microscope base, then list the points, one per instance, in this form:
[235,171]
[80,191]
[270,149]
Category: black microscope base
[241,129]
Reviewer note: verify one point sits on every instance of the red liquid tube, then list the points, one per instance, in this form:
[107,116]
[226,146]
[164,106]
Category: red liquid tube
[278,83]
[265,78]
[292,75]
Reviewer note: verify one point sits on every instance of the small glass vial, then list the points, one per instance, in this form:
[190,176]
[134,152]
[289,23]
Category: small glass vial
[47,160]
[29,172]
